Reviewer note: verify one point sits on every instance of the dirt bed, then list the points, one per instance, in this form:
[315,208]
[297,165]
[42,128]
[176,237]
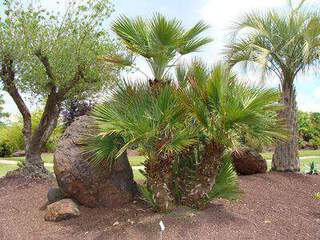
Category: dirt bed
[274,206]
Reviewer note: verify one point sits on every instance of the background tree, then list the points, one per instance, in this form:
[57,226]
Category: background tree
[75,108]
[309,130]
[284,44]
[51,56]
[3,115]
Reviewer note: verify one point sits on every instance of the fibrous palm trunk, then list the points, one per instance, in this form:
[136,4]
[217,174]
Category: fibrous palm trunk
[206,173]
[286,157]
[159,181]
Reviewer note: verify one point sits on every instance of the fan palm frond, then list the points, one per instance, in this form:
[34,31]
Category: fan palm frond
[226,185]
[225,107]
[161,41]
[280,43]
[136,115]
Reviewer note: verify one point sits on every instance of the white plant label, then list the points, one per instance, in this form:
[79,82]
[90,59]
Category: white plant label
[162,227]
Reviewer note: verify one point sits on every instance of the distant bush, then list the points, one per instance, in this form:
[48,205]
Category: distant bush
[5,149]
[309,130]
[12,138]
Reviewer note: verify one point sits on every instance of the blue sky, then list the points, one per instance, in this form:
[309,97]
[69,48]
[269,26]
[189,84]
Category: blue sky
[219,15]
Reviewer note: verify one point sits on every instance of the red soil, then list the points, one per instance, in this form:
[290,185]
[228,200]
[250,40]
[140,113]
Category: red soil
[274,206]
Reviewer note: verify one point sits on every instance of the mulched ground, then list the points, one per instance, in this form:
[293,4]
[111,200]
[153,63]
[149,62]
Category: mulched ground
[274,206]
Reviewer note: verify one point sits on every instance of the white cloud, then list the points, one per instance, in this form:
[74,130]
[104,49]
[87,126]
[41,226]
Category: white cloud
[308,103]
[220,14]
[317,92]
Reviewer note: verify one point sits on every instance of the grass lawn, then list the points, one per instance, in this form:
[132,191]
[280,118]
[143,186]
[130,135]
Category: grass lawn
[304,164]
[48,158]
[138,176]
[138,160]
[4,168]
[302,153]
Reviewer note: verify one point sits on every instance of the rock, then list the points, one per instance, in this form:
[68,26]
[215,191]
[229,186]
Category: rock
[92,186]
[54,195]
[61,210]
[247,162]
[20,153]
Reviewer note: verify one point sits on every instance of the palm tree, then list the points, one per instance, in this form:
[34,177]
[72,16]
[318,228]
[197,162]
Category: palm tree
[142,117]
[223,110]
[160,41]
[185,129]
[154,123]
[185,133]
[284,44]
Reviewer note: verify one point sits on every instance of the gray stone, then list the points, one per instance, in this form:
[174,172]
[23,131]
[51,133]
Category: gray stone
[54,195]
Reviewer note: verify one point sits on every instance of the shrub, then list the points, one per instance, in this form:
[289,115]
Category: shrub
[5,149]
[313,170]
[12,138]
[315,142]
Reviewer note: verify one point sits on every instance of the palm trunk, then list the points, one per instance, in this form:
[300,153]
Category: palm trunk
[286,157]
[159,181]
[206,174]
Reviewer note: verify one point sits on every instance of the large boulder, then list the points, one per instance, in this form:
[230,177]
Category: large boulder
[247,162]
[90,185]
[61,210]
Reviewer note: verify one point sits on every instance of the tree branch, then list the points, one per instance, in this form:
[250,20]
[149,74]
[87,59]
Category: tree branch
[79,74]
[8,75]
[44,60]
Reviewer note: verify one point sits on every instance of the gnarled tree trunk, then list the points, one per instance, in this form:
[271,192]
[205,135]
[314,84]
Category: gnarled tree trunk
[35,140]
[286,157]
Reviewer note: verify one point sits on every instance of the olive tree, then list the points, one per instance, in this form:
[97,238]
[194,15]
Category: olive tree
[52,57]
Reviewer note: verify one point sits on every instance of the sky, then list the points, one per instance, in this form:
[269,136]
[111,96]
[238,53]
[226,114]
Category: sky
[219,15]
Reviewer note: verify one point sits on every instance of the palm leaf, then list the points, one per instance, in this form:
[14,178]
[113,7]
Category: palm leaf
[226,185]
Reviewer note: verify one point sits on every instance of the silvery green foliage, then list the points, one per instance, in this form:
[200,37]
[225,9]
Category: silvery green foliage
[72,38]
[3,114]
